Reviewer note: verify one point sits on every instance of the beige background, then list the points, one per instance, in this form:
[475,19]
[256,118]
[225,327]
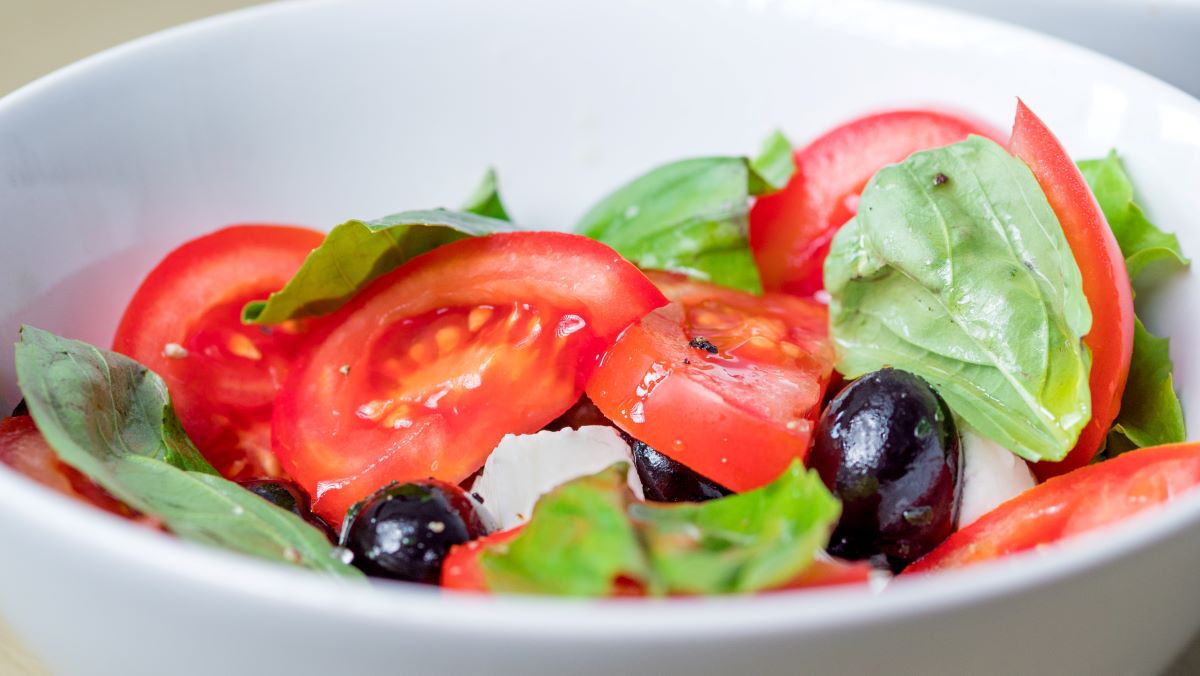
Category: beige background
[38,36]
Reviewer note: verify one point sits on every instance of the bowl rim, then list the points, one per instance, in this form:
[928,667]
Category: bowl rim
[220,572]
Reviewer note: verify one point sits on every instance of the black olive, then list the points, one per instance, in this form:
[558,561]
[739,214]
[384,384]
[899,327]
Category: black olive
[888,448]
[667,480]
[404,532]
[287,495]
[20,409]
[582,414]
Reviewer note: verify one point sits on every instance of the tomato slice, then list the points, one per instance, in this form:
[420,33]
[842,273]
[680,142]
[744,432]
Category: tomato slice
[1105,280]
[791,230]
[725,382]
[184,323]
[23,448]
[1087,498]
[428,368]
[827,571]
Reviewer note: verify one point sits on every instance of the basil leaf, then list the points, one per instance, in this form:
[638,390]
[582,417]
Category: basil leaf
[1150,414]
[774,166]
[356,253]
[740,543]
[691,216]
[577,543]
[485,201]
[1150,411]
[969,283]
[588,532]
[1142,243]
[110,418]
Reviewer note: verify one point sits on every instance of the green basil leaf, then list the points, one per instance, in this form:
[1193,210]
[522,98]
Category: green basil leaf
[1150,411]
[110,418]
[485,201]
[1142,243]
[588,532]
[577,543]
[774,166]
[356,253]
[968,282]
[741,543]
[691,216]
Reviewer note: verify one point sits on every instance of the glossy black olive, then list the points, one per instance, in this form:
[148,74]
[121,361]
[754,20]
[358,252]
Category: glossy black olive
[404,532]
[666,480]
[289,496]
[888,448]
[582,414]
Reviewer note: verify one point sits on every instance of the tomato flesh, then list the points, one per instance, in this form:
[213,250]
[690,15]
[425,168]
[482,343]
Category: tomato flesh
[184,323]
[1085,499]
[727,383]
[1105,280]
[791,230]
[424,372]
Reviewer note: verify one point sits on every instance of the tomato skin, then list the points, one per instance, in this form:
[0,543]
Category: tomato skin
[224,387]
[1087,498]
[426,370]
[1105,280]
[737,415]
[791,230]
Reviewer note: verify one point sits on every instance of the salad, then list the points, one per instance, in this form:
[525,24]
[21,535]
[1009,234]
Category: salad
[905,347]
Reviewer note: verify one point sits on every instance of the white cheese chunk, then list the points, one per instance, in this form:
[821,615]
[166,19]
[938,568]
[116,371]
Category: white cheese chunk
[526,466]
[991,475]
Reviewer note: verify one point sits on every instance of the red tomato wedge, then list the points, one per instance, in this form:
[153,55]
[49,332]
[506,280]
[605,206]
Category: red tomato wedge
[1105,280]
[23,448]
[184,323]
[1087,498]
[790,231]
[725,382]
[424,372]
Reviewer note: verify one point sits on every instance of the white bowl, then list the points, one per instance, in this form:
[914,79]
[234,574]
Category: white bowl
[315,112]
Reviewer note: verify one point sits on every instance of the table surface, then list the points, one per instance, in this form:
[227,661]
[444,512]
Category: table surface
[38,36]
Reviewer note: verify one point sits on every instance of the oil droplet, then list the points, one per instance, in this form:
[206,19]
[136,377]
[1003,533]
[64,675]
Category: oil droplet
[637,413]
[569,324]
[344,555]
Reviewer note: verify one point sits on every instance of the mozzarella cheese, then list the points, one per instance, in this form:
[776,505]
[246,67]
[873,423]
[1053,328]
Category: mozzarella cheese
[991,475]
[526,466]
